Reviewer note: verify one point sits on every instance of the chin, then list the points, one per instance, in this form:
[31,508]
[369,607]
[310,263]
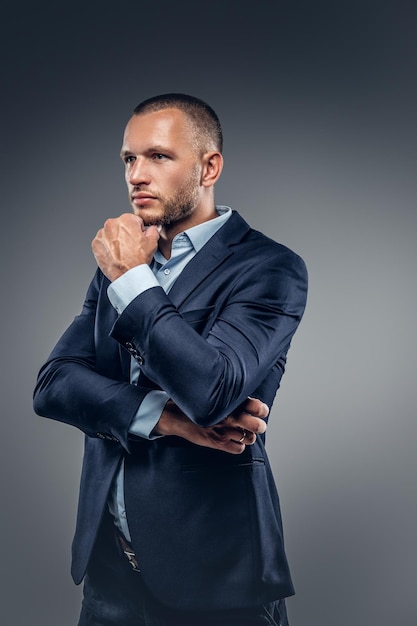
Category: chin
[149,218]
[153,220]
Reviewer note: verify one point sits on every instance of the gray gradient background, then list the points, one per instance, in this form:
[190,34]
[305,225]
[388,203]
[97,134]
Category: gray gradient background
[318,104]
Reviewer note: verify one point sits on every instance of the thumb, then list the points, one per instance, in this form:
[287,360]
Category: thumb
[152,232]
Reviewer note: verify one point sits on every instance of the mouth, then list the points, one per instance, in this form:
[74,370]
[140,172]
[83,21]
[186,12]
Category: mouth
[142,197]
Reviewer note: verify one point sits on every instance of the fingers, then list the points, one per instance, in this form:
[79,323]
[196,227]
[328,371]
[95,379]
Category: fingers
[235,437]
[256,407]
[234,448]
[127,222]
[124,243]
[250,423]
[242,436]
[231,440]
[152,233]
[252,416]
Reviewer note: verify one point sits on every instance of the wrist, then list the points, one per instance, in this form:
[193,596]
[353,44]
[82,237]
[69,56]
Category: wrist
[171,421]
[162,425]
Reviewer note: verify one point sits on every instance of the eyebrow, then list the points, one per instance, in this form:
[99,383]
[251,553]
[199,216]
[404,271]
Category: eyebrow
[151,149]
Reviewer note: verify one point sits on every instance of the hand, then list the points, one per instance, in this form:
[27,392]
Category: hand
[231,435]
[124,243]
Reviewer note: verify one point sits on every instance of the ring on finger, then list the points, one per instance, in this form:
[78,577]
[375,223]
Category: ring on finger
[241,440]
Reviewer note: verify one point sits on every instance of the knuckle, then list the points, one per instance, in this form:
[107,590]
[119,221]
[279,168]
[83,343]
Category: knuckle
[108,224]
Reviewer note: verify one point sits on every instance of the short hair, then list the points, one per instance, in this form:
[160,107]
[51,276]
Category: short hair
[204,120]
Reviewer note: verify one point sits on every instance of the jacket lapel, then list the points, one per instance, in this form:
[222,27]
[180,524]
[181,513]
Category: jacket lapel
[209,258]
[205,262]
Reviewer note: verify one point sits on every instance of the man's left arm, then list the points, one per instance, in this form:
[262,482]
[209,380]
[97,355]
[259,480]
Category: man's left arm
[208,378]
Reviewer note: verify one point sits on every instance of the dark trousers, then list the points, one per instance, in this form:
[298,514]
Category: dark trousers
[115,595]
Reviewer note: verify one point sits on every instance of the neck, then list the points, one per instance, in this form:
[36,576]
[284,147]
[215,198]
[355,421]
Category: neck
[169,231]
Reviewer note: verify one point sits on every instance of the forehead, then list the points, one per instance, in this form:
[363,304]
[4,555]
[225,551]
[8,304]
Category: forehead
[169,127]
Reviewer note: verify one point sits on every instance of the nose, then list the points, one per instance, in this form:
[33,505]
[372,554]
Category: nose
[137,173]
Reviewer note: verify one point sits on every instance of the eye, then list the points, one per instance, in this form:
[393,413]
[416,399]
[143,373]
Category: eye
[157,156]
[129,159]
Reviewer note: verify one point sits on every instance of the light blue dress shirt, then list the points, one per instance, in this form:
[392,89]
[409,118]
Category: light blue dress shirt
[121,292]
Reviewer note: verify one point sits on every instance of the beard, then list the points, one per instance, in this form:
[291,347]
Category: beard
[175,207]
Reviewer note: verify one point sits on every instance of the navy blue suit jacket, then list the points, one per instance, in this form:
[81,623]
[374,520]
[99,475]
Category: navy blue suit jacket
[205,524]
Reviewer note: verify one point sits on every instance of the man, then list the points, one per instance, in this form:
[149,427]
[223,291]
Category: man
[170,371]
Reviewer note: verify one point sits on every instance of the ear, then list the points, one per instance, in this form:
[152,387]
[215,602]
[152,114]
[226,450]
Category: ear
[212,163]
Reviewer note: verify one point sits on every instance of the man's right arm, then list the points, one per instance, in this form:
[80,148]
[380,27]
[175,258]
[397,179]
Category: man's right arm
[71,390]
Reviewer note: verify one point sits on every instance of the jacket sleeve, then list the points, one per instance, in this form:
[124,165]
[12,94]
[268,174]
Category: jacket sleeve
[209,378]
[71,389]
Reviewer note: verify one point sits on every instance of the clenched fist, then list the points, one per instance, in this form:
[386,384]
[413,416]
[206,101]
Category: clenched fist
[124,243]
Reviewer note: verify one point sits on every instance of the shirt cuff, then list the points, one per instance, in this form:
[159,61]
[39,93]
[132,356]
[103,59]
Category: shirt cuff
[131,284]
[148,414]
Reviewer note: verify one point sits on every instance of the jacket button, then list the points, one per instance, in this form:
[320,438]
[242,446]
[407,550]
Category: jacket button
[131,348]
[133,352]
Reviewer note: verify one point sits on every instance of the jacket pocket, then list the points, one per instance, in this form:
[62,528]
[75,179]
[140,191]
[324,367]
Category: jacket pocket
[221,467]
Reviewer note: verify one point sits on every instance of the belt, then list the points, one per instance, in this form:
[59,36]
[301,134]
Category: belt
[127,550]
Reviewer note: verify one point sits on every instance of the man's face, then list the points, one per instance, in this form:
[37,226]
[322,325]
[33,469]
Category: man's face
[162,168]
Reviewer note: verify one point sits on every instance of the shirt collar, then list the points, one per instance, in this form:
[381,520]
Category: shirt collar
[199,235]
[196,236]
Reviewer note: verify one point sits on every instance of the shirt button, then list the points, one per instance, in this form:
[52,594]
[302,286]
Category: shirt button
[167,271]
